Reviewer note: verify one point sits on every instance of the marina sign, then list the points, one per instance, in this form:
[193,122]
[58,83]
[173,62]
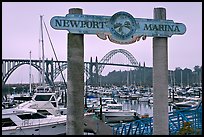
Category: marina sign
[121,28]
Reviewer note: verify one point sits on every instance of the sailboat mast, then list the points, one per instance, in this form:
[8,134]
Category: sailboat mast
[40,61]
[30,73]
[43,60]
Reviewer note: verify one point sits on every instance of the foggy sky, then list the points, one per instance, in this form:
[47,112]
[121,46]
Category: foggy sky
[21,31]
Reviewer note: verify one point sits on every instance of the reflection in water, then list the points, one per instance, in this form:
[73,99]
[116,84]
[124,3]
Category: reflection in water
[141,107]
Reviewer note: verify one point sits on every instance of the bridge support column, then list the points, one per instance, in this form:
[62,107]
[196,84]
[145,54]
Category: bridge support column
[91,72]
[96,75]
[48,73]
[47,67]
[3,71]
[160,80]
[75,82]
[51,72]
[144,81]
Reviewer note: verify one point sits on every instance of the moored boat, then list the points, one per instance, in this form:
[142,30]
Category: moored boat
[115,113]
[187,102]
[17,121]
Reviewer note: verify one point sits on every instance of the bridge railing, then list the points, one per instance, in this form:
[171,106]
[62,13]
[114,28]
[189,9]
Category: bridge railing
[138,127]
[177,120]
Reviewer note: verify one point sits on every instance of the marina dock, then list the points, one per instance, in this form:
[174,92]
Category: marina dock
[96,126]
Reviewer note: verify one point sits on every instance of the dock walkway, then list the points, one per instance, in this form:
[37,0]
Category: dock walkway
[178,120]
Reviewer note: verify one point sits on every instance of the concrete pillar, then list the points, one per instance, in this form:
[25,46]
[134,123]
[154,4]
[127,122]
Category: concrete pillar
[160,80]
[75,82]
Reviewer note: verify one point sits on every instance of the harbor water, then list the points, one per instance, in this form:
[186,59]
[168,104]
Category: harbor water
[142,108]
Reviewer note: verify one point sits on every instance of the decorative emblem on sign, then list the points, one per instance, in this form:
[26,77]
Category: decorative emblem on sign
[122,25]
[121,28]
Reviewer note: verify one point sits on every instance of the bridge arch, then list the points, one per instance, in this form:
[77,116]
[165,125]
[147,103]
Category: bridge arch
[57,71]
[110,54]
[63,64]
[8,74]
[63,67]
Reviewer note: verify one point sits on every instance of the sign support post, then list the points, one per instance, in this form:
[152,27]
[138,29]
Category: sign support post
[75,81]
[160,80]
[121,28]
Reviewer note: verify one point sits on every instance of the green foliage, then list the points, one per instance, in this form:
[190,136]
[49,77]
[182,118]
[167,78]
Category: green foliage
[143,76]
[187,130]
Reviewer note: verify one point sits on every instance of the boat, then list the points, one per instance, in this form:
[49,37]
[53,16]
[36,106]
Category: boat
[135,95]
[42,115]
[12,100]
[39,116]
[187,102]
[151,99]
[46,101]
[114,113]
[8,102]
[95,103]
[16,121]
[143,99]
[124,96]
[107,100]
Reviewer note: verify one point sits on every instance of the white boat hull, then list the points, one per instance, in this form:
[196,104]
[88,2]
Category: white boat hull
[112,118]
[51,129]
[28,122]
[143,99]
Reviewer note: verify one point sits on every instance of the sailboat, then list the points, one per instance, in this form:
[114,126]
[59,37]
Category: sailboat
[39,116]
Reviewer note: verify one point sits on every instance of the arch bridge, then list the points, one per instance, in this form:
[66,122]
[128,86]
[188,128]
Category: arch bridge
[53,68]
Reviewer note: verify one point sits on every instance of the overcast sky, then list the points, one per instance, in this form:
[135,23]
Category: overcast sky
[21,31]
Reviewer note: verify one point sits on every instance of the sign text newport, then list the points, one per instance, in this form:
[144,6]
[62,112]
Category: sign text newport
[120,28]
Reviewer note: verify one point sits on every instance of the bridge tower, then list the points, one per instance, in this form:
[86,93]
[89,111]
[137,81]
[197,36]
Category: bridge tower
[91,72]
[96,74]
[139,70]
[49,70]
[144,82]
